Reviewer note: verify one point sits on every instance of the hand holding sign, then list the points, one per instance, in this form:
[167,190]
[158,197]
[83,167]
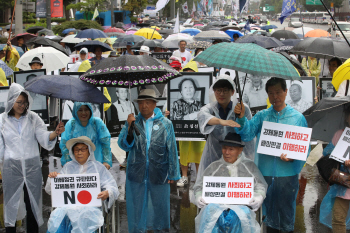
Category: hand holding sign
[103,195]
[285,159]
[341,151]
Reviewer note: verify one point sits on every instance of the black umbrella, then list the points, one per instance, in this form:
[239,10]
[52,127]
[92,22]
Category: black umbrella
[34,29]
[166,32]
[327,117]
[284,35]
[116,34]
[287,45]
[321,47]
[263,41]
[65,87]
[56,39]
[149,43]
[119,25]
[295,63]
[46,32]
[230,27]
[91,45]
[119,45]
[41,41]
[130,38]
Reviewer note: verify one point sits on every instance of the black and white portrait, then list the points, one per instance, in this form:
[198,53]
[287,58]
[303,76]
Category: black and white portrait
[3,98]
[39,104]
[301,94]
[186,96]
[122,106]
[254,94]
[327,88]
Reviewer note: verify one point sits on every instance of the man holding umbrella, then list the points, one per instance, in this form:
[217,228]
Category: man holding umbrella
[281,174]
[152,165]
[98,56]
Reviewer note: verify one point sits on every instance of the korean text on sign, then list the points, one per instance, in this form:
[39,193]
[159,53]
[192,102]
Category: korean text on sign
[228,190]
[277,139]
[75,190]
[341,151]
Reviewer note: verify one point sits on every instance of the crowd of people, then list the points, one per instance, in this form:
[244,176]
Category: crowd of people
[148,137]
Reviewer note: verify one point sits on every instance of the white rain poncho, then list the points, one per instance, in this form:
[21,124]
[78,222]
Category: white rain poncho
[217,133]
[20,158]
[84,219]
[243,167]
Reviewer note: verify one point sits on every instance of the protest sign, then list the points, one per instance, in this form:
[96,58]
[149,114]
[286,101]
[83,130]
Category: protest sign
[228,190]
[277,139]
[164,56]
[75,190]
[341,151]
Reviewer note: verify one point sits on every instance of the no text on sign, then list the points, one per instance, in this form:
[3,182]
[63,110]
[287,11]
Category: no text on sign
[277,139]
[75,190]
[341,151]
[228,190]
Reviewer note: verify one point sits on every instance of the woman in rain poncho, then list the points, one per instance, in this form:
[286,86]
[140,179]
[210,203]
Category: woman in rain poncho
[216,132]
[84,123]
[82,218]
[21,131]
[232,218]
[334,210]
[11,56]
[83,56]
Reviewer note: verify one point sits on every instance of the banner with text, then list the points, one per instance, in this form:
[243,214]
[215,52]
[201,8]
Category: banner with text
[277,139]
[164,56]
[228,190]
[75,190]
[341,151]
[57,8]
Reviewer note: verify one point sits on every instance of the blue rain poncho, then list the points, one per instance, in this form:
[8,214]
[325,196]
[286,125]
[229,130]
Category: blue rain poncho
[327,204]
[96,130]
[282,177]
[212,217]
[152,161]
[20,158]
[82,218]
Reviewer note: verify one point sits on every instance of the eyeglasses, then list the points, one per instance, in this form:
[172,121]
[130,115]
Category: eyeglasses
[81,149]
[219,91]
[25,104]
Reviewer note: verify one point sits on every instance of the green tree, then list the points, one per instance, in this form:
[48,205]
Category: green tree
[78,24]
[88,7]
[65,4]
[135,7]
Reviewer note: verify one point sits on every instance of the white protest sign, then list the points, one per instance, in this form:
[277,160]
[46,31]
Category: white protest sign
[277,139]
[75,190]
[228,190]
[341,151]
[205,69]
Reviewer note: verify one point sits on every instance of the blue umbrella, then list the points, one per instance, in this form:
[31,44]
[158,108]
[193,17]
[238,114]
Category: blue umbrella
[8,71]
[267,27]
[19,49]
[91,45]
[68,30]
[191,31]
[65,87]
[231,32]
[91,33]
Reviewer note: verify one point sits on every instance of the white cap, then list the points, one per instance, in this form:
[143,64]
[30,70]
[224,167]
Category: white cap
[83,50]
[144,49]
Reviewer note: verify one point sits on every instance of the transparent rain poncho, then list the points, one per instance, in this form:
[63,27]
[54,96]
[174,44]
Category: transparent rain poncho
[96,130]
[217,133]
[282,177]
[83,218]
[152,161]
[206,221]
[20,158]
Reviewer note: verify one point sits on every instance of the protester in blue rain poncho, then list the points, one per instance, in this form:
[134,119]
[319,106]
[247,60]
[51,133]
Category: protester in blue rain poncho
[217,118]
[21,132]
[84,123]
[334,210]
[215,218]
[281,174]
[152,164]
[79,219]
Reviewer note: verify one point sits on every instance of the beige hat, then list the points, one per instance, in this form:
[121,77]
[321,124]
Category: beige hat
[145,49]
[81,139]
[147,94]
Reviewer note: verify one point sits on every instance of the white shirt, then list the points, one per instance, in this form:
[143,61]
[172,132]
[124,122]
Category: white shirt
[342,89]
[185,56]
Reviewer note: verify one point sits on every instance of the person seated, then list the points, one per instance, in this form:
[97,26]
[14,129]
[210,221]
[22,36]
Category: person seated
[84,218]
[230,218]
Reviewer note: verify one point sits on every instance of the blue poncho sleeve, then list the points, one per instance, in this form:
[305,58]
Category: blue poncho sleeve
[65,136]
[249,128]
[122,142]
[174,169]
[328,150]
[104,138]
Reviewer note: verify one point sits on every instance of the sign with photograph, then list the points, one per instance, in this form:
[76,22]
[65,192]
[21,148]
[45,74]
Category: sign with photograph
[277,139]
[341,151]
[75,190]
[122,106]
[40,103]
[164,57]
[4,91]
[186,96]
[327,88]
[228,190]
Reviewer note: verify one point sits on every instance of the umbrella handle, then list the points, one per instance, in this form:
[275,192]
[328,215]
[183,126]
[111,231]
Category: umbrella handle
[132,128]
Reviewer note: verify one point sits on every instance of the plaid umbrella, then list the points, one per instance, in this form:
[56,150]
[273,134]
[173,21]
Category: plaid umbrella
[248,58]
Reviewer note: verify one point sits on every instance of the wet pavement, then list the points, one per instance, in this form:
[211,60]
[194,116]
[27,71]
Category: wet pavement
[312,190]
